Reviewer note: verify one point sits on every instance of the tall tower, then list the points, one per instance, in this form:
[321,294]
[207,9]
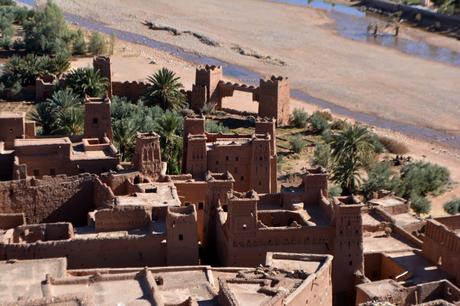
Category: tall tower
[98,120]
[195,155]
[274,98]
[181,236]
[206,87]
[103,65]
[314,183]
[147,155]
[348,249]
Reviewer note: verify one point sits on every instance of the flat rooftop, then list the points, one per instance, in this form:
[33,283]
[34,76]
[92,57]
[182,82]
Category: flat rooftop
[378,241]
[41,141]
[26,280]
[155,195]
[7,115]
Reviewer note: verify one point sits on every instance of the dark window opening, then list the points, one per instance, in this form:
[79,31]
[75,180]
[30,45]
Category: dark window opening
[52,171]
[95,121]
[242,178]
[36,172]
[200,205]
[225,208]
[237,158]
[187,203]
[11,131]
[350,263]
[226,157]
[181,237]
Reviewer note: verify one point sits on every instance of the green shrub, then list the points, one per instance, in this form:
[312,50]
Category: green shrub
[423,178]
[299,118]
[97,44]
[322,155]
[393,146]
[420,204]
[380,177]
[319,122]
[378,146]
[297,144]
[452,207]
[213,126]
[46,31]
[79,43]
[86,81]
[339,124]
[335,191]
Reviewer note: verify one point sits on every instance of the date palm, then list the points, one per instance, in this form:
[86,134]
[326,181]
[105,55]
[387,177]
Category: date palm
[169,126]
[86,81]
[165,90]
[351,148]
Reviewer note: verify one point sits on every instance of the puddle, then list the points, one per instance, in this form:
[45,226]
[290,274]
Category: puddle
[352,23]
[248,76]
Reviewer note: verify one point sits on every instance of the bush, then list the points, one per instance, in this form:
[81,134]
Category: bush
[393,146]
[47,31]
[339,124]
[97,44]
[213,126]
[319,122]
[378,146]
[299,118]
[297,144]
[422,178]
[322,155]
[380,177]
[79,44]
[335,191]
[452,207]
[420,204]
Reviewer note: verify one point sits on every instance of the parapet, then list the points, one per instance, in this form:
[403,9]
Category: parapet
[209,68]
[219,177]
[122,218]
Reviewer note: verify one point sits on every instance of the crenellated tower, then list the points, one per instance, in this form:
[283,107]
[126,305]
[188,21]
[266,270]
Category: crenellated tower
[147,155]
[274,97]
[98,120]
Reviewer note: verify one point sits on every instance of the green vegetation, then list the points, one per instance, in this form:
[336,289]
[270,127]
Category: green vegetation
[97,44]
[86,81]
[79,43]
[22,71]
[320,122]
[350,150]
[380,177]
[322,155]
[299,118]
[62,114]
[213,126]
[165,90]
[296,144]
[452,207]
[334,191]
[419,204]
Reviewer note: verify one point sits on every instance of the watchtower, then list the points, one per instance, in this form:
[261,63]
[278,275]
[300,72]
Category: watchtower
[195,155]
[206,87]
[103,65]
[147,155]
[274,97]
[98,120]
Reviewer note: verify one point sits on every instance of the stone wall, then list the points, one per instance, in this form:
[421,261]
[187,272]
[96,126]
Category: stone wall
[8,221]
[122,218]
[133,91]
[52,199]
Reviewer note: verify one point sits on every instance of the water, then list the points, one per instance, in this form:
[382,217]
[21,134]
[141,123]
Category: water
[249,76]
[352,23]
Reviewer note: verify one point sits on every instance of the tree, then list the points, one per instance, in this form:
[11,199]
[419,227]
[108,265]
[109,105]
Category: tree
[165,90]
[169,126]
[86,81]
[452,207]
[380,177]
[62,114]
[420,204]
[296,144]
[60,64]
[299,118]
[322,155]
[319,122]
[79,44]
[97,44]
[47,31]
[351,148]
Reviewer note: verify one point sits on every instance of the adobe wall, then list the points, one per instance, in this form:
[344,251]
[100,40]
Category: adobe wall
[442,246]
[52,199]
[122,218]
[133,91]
[43,232]
[101,252]
[8,221]
[10,129]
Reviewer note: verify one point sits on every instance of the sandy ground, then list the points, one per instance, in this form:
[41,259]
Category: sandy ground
[353,74]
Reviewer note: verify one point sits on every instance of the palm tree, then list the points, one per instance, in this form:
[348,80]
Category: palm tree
[169,125]
[44,117]
[351,148]
[86,81]
[165,89]
[124,134]
[60,64]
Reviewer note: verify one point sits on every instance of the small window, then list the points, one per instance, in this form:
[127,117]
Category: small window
[226,157]
[11,131]
[237,158]
[217,162]
[181,237]
[52,171]
[36,172]
[95,120]
[200,205]
[350,263]
[242,178]
[187,203]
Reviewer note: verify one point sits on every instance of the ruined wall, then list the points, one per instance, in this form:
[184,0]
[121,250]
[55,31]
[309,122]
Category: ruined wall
[133,91]
[122,218]
[52,199]
[441,246]
[102,252]
[8,221]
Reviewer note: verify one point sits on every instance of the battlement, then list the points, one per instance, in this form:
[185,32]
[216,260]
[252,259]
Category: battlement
[274,80]
[209,68]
